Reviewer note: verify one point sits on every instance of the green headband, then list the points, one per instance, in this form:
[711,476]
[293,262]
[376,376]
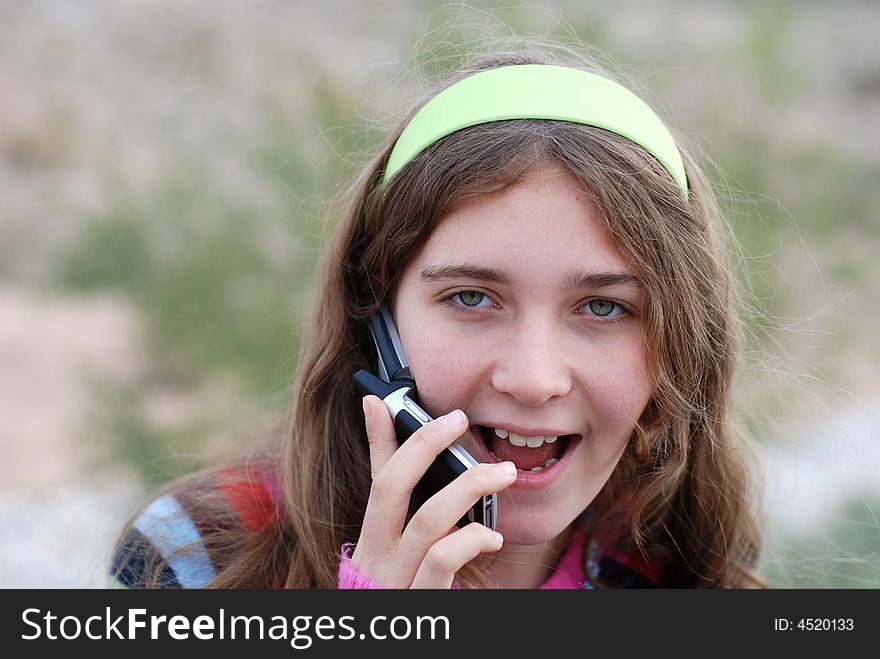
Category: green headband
[538,91]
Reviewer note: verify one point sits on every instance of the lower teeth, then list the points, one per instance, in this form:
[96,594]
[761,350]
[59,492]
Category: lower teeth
[549,463]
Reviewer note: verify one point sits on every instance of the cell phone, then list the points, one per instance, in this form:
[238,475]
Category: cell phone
[395,385]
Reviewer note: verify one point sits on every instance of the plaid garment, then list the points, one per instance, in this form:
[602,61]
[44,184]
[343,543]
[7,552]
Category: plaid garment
[167,545]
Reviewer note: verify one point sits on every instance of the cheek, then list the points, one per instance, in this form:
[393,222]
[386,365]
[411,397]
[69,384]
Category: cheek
[446,369]
[620,385]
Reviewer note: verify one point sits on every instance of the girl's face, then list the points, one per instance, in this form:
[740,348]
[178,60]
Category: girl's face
[519,311]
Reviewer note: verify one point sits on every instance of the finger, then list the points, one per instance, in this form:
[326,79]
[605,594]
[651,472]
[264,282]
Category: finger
[449,554]
[380,433]
[378,535]
[393,484]
[443,510]
[411,461]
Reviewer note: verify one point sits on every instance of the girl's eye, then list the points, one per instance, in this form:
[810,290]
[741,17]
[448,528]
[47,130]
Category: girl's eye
[472,299]
[603,308]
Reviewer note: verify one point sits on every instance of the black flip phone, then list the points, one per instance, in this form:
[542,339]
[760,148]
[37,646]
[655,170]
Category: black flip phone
[396,387]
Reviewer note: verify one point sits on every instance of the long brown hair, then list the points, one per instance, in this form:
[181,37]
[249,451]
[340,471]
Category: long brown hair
[680,494]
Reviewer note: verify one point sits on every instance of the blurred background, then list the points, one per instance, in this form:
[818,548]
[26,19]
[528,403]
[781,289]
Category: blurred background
[167,176]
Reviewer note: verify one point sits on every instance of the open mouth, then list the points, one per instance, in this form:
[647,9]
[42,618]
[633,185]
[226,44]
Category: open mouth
[531,454]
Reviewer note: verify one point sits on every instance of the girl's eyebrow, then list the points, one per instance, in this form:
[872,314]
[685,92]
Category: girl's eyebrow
[465,271]
[577,281]
[573,281]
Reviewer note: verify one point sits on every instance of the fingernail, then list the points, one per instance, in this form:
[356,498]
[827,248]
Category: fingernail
[454,418]
[499,537]
[366,408]
[506,468]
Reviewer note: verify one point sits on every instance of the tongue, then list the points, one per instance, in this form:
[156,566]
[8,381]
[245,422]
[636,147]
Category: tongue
[524,457]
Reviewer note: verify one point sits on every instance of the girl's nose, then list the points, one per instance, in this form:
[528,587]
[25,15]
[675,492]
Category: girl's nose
[532,367]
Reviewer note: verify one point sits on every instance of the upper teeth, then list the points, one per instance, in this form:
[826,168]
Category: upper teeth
[519,440]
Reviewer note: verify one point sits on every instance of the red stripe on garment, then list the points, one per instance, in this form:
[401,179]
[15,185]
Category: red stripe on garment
[251,495]
[635,562]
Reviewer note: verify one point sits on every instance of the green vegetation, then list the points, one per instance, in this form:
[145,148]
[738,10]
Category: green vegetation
[221,280]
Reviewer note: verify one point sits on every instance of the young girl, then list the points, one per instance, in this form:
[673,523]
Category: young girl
[555,264]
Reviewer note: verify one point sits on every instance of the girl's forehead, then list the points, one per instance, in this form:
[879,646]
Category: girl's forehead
[546,216]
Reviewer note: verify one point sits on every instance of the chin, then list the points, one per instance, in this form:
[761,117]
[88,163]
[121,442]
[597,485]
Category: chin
[530,529]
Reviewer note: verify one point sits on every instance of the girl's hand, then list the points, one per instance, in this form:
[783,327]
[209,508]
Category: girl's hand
[430,549]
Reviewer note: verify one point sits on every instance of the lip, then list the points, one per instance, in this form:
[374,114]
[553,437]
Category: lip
[530,480]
